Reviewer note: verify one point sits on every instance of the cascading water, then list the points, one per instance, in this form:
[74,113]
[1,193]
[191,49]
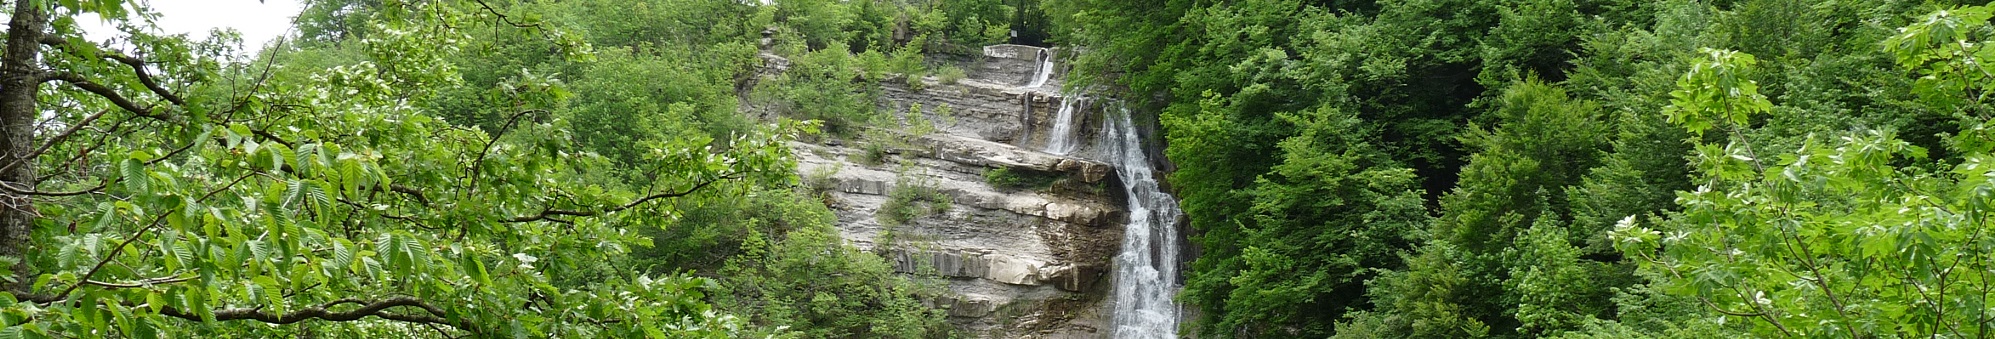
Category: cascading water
[1146,271]
[1062,141]
[1045,70]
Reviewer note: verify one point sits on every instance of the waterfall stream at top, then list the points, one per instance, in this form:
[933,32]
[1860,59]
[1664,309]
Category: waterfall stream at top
[1045,70]
[1062,140]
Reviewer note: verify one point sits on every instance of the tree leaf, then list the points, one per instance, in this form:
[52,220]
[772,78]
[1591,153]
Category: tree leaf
[135,176]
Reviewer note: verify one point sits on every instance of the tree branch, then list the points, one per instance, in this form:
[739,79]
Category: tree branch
[140,283]
[503,18]
[115,251]
[411,192]
[56,140]
[106,92]
[377,308]
[273,137]
[138,68]
[31,191]
[546,214]
[472,172]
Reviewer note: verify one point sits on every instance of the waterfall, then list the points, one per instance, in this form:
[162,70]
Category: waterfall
[1062,140]
[1146,270]
[1045,70]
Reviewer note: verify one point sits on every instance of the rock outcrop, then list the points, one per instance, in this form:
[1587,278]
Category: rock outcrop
[1017,262]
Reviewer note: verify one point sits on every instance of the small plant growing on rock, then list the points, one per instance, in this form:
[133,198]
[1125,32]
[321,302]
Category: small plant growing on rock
[1020,179]
[873,154]
[819,183]
[947,113]
[874,65]
[950,75]
[918,124]
[912,199]
[909,62]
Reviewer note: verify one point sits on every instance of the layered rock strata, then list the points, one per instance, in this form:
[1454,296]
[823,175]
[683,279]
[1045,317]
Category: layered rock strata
[1026,262]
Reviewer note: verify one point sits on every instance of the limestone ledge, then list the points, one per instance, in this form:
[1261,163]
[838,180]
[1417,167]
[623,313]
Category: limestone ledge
[1017,264]
[994,154]
[978,155]
[998,267]
[998,248]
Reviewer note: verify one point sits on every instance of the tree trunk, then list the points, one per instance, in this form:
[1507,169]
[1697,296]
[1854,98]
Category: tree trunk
[20,77]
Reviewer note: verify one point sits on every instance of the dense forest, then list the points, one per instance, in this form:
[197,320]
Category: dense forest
[1559,168]
[1347,169]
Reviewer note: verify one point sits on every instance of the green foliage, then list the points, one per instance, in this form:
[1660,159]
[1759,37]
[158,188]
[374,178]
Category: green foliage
[912,198]
[363,197]
[1940,45]
[1020,179]
[1502,283]
[1638,178]
[782,265]
[449,168]
[819,182]
[1615,131]
[1329,215]
[918,125]
[1531,37]
[1350,169]
[1716,91]
[1556,292]
[819,86]
[956,26]
[625,100]
[1426,299]
[1836,237]
[873,154]
[1545,141]
[820,22]
[950,75]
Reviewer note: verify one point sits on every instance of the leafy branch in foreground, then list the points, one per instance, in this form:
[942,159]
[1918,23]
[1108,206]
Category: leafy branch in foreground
[1837,238]
[162,190]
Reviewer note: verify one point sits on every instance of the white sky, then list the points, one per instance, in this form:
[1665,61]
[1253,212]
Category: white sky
[258,21]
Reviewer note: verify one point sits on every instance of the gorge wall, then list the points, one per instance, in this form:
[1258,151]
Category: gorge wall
[1016,262]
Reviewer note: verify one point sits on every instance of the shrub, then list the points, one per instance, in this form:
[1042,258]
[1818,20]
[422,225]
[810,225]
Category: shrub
[873,154]
[819,183]
[1017,179]
[950,74]
[912,199]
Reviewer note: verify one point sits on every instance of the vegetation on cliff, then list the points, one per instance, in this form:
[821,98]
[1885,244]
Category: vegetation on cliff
[1561,168]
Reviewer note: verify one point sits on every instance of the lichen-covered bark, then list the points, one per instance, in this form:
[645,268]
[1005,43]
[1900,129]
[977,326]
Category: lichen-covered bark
[19,78]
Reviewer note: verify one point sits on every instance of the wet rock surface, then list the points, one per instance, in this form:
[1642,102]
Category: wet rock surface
[1016,262]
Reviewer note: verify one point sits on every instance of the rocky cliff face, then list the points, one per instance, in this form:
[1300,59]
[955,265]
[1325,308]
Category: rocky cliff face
[1027,262]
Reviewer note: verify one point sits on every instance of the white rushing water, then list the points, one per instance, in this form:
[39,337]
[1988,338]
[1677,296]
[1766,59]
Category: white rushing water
[1146,271]
[1062,141]
[1045,70]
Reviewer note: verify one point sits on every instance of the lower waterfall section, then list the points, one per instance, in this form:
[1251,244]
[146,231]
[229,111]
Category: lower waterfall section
[1146,269]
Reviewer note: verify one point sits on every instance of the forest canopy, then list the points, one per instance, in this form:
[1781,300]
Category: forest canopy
[1564,168]
[1348,169]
